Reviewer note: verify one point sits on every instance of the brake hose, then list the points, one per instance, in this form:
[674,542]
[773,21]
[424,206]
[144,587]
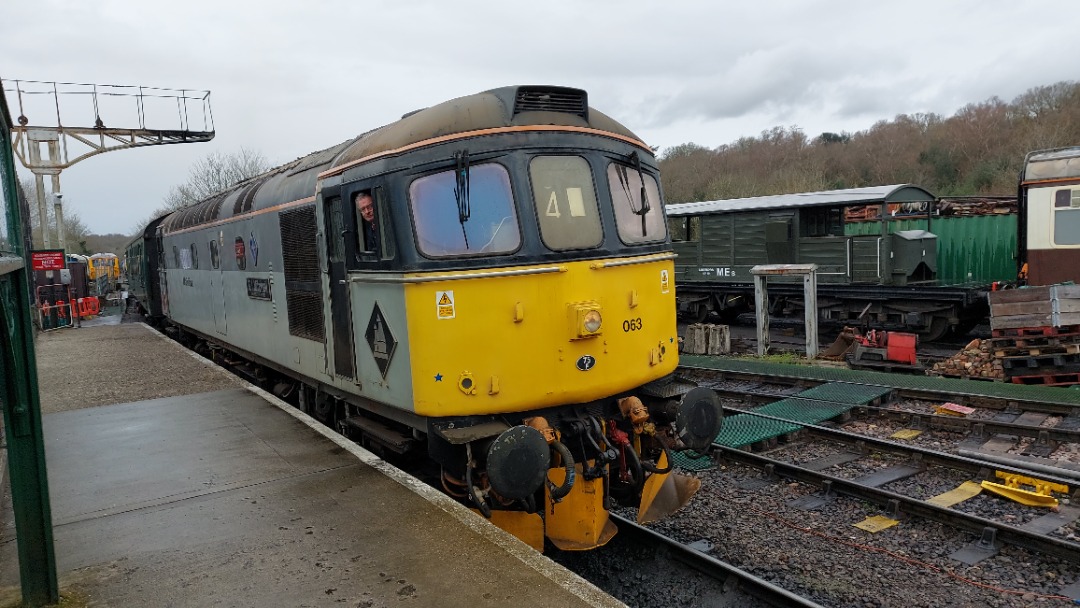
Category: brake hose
[559,492]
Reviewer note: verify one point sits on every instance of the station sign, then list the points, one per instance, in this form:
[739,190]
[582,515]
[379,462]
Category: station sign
[47,259]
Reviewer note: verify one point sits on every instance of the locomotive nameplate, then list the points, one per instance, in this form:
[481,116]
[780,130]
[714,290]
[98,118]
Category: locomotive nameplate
[259,289]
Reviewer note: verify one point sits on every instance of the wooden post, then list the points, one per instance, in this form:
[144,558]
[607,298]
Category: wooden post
[761,312]
[810,310]
[761,302]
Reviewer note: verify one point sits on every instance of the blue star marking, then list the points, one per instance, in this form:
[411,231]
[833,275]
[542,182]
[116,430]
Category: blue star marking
[438,377]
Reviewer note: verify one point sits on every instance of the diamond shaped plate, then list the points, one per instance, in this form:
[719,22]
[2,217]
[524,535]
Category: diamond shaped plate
[381,340]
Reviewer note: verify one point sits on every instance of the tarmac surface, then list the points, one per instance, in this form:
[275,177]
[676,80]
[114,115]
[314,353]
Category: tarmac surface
[234,498]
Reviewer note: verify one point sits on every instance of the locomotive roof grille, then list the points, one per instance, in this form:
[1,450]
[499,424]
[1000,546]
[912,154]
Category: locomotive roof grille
[552,99]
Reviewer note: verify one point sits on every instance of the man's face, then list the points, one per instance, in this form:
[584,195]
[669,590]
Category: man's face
[367,210]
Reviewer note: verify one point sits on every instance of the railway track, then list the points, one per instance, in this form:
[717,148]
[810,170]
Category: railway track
[926,501]
[643,567]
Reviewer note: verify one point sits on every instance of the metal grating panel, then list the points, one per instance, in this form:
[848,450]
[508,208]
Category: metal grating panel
[843,392]
[688,460]
[552,99]
[744,429]
[305,314]
[301,254]
[303,285]
[999,390]
[809,411]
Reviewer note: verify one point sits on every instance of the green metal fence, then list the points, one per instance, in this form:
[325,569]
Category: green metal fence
[976,248]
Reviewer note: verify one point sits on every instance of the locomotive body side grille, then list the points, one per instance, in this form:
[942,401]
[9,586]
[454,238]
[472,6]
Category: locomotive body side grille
[303,289]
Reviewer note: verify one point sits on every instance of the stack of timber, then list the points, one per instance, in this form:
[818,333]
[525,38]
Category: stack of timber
[1037,334]
[976,362]
[977,205]
[707,339]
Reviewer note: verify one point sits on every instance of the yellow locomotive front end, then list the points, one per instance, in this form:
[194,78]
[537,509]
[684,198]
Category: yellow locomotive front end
[563,346]
[541,336]
[547,378]
[509,251]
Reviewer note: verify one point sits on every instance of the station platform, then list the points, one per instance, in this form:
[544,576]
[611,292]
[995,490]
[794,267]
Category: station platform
[234,498]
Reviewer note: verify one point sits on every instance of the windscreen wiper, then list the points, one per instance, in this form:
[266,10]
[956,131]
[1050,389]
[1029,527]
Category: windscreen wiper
[461,190]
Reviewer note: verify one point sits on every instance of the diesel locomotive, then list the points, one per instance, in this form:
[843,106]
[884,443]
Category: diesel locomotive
[488,281]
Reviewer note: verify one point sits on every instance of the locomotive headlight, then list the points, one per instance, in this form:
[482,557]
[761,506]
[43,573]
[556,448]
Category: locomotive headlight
[592,321]
[585,320]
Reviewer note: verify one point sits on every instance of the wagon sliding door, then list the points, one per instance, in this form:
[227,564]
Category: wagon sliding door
[865,259]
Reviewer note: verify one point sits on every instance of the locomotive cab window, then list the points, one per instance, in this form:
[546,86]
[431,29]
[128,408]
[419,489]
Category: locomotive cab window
[467,212]
[565,201]
[374,234]
[636,200]
[1067,217]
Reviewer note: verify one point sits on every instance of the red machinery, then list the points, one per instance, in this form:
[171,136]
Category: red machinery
[887,350]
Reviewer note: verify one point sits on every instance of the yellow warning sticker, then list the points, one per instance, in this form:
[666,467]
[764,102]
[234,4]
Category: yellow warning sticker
[444,304]
[665,281]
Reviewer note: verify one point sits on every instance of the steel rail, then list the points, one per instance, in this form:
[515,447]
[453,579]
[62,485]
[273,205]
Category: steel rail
[1042,544]
[922,456]
[714,568]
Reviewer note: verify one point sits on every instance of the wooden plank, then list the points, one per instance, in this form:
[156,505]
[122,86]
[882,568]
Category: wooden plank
[1021,308]
[1019,321]
[1069,318]
[1031,294]
[1065,306]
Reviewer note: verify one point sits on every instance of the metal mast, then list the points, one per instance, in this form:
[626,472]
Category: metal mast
[47,145]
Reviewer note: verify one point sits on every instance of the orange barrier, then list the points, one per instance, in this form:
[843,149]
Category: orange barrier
[88,307]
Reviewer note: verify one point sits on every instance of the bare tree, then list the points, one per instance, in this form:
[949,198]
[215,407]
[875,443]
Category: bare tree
[210,175]
[75,231]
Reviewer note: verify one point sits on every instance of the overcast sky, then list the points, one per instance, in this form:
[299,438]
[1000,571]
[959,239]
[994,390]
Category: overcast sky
[288,78]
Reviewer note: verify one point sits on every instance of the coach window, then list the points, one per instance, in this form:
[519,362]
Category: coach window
[822,221]
[464,213]
[176,256]
[685,228]
[1067,217]
[194,257]
[215,255]
[565,201]
[639,220]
